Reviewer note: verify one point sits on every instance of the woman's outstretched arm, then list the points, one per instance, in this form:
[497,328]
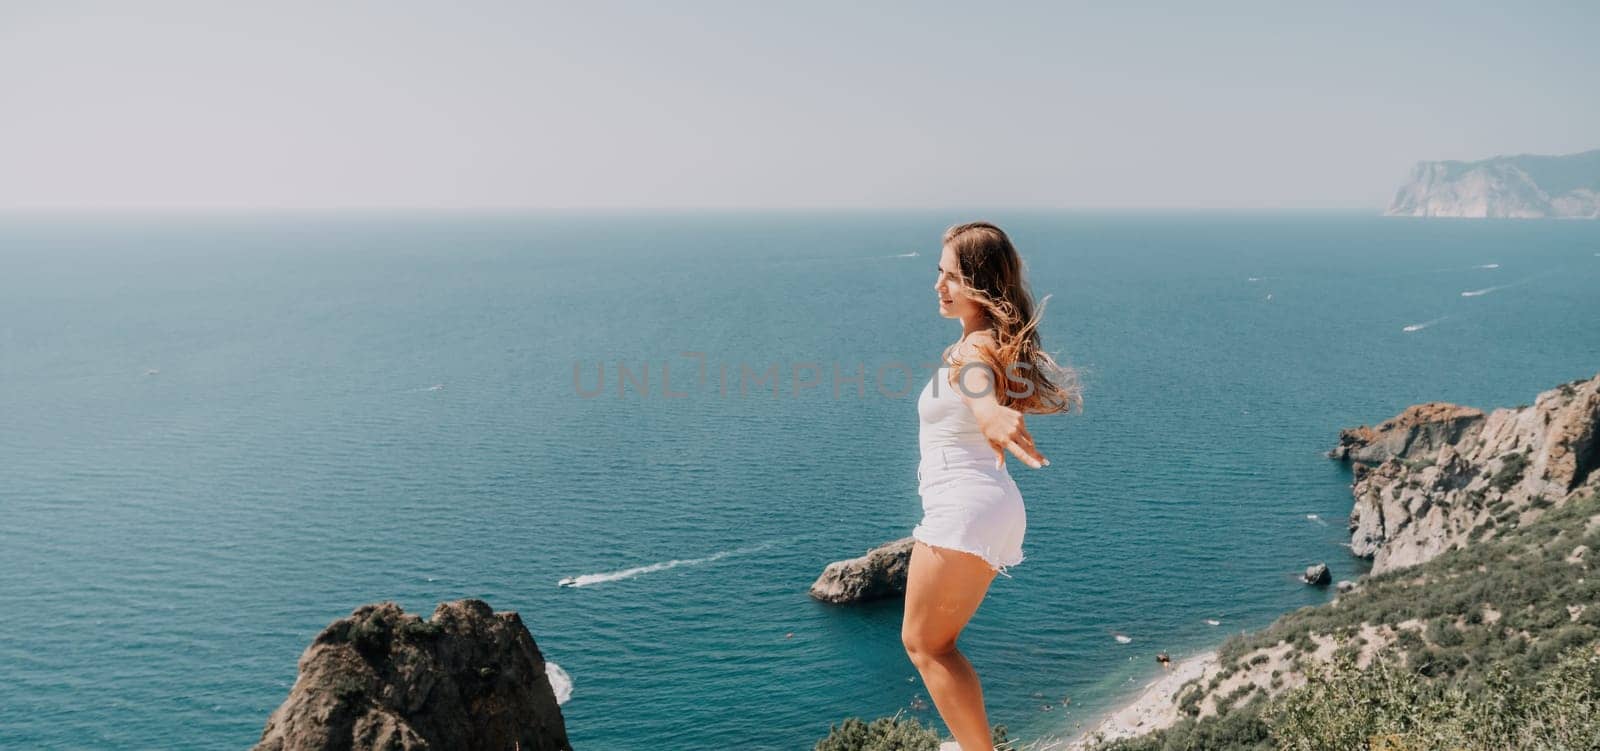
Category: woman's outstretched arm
[1002,425]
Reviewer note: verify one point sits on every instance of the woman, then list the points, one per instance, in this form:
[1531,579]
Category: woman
[971,414]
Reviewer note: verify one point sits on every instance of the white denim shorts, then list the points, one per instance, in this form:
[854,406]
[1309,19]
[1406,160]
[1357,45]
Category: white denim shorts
[970,506]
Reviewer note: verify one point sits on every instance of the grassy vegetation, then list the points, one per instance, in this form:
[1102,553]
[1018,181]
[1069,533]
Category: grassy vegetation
[1510,472]
[1499,660]
[890,734]
[1240,728]
[1389,706]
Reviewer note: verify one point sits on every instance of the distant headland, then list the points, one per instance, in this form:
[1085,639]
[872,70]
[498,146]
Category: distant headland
[1526,186]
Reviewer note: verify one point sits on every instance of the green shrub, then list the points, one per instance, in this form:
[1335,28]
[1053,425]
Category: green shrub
[1442,631]
[1231,650]
[1233,697]
[1241,730]
[419,629]
[1189,699]
[1389,706]
[890,734]
[1510,472]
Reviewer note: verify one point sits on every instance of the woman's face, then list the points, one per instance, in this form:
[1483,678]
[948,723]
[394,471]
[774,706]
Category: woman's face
[953,300]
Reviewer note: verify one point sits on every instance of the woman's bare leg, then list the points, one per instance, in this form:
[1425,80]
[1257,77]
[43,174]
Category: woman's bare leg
[943,589]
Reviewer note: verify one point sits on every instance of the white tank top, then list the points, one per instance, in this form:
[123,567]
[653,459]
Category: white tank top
[948,428]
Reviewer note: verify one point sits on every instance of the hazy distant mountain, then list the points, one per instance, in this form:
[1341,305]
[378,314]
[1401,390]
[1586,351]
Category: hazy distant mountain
[1526,186]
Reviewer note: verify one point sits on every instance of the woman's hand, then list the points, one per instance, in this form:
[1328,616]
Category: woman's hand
[1002,425]
[1006,431]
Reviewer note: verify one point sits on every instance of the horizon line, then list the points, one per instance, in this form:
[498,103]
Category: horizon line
[202,210]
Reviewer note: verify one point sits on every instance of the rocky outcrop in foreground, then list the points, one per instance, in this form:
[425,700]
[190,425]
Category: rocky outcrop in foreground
[468,678]
[878,574]
[1439,476]
[1517,187]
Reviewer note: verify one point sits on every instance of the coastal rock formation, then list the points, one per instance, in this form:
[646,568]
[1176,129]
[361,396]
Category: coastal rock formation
[468,678]
[1438,476]
[1417,430]
[1520,485]
[878,574]
[1317,575]
[1520,187]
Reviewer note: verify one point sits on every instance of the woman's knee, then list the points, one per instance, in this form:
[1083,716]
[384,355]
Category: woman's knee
[921,644]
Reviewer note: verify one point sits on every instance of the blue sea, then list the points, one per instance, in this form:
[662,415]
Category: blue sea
[220,433]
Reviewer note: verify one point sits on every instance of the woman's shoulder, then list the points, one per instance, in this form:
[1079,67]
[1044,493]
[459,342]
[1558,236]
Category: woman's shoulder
[972,346]
[981,337]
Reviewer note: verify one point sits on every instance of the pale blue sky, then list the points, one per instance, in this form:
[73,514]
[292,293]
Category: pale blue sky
[807,105]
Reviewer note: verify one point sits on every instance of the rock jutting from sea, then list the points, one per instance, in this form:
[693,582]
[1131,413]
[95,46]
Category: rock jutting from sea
[878,574]
[467,678]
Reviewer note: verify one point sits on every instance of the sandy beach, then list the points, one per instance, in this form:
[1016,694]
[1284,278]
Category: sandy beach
[1154,709]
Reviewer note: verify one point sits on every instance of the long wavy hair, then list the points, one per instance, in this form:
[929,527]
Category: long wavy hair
[1028,379]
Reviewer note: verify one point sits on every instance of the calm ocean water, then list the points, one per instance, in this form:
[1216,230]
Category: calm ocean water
[219,434]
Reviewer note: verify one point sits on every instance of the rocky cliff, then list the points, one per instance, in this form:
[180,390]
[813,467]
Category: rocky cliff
[468,678]
[1438,476]
[1518,187]
[1513,490]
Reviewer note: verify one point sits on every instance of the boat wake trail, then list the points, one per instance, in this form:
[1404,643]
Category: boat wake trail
[1519,282]
[1420,326]
[628,573]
